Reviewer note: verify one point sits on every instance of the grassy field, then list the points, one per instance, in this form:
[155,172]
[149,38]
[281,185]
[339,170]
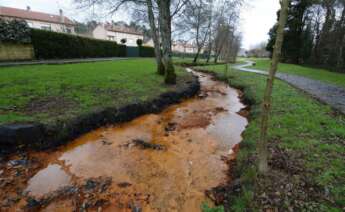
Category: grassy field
[189,60]
[48,93]
[312,73]
[306,143]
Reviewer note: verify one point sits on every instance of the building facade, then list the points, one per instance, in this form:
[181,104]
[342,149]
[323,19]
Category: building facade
[183,47]
[39,20]
[117,33]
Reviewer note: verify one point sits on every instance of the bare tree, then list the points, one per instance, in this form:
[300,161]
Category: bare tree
[165,17]
[226,20]
[155,37]
[266,105]
[164,23]
[194,21]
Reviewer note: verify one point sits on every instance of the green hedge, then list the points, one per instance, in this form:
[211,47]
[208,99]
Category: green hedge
[145,51]
[53,45]
[14,31]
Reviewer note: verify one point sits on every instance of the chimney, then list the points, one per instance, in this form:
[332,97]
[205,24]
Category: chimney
[28,8]
[62,18]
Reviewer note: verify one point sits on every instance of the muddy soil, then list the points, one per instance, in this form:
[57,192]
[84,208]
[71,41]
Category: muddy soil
[157,162]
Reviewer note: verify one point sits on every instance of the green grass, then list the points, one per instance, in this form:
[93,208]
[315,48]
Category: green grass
[189,60]
[307,131]
[312,73]
[49,93]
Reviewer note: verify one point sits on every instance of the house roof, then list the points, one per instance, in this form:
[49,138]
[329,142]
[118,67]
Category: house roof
[32,15]
[122,29]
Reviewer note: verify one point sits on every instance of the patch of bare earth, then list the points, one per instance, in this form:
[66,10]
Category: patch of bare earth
[54,105]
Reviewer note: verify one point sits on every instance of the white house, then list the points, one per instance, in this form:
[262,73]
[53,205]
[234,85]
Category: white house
[117,33]
[39,20]
[183,47]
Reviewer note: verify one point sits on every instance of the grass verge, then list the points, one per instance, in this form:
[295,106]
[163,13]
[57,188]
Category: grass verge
[49,93]
[312,73]
[307,151]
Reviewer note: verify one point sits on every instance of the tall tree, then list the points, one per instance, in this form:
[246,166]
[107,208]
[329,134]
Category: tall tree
[298,37]
[155,37]
[165,32]
[262,152]
[194,23]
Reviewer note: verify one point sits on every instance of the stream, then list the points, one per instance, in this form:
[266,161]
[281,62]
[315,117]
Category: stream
[157,162]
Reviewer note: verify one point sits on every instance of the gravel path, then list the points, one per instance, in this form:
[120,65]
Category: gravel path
[329,94]
[60,61]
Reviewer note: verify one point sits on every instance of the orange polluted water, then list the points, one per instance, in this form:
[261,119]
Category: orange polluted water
[157,162]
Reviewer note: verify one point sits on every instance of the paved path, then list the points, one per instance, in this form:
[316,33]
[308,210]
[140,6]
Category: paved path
[62,61]
[329,94]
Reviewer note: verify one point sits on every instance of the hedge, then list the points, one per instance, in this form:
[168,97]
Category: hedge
[146,51]
[53,45]
[14,31]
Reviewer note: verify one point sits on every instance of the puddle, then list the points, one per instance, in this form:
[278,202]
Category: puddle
[48,180]
[194,135]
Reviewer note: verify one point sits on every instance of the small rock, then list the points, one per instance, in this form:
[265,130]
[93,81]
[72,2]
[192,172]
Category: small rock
[16,163]
[32,203]
[170,127]
[124,184]
[90,184]
[146,145]
[105,142]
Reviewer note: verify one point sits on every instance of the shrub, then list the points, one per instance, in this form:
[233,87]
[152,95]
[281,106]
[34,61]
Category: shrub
[53,45]
[139,42]
[123,40]
[14,31]
[146,51]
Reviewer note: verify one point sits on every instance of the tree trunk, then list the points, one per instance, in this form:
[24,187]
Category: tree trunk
[196,56]
[340,59]
[165,31]
[262,152]
[209,53]
[155,37]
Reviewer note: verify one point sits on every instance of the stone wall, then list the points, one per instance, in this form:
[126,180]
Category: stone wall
[13,52]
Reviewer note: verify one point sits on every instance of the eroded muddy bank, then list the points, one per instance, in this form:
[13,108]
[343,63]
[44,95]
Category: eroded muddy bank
[39,136]
[158,162]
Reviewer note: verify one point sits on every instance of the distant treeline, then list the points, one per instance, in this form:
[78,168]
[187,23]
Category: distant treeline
[315,34]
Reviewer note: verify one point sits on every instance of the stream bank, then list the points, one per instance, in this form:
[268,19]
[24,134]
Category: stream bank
[156,162]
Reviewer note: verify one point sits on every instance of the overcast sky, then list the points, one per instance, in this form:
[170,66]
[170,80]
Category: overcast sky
[257,16]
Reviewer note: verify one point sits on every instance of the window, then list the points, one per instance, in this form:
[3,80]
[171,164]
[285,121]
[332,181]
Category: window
[30,24]
[46,27]
[68,30]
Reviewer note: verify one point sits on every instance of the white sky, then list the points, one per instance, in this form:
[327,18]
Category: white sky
[257,17]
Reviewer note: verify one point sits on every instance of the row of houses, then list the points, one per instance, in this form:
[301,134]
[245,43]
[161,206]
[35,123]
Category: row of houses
[63,24]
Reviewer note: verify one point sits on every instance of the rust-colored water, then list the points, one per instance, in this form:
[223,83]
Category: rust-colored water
[194,137]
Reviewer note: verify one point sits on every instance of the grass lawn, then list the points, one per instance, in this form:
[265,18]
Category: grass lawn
[312,73]
[189,60]
[49,93]
[307,150]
